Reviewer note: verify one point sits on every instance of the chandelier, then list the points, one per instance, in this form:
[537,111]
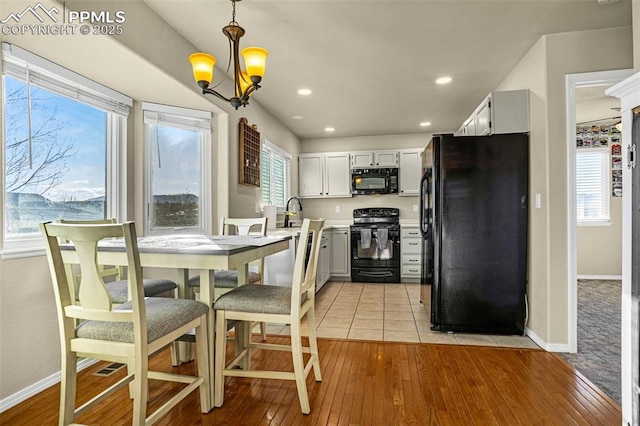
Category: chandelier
[245,82]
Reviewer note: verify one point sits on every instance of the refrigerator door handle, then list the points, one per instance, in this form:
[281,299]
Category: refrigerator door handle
[423,195]
[523,202]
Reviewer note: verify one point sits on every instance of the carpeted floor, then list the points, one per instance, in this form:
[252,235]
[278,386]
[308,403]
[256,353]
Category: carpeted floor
[599,319]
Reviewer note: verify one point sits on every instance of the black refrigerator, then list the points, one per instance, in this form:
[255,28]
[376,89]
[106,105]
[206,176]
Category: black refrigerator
[473,220]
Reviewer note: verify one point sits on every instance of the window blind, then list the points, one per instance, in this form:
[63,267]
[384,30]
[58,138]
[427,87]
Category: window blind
[34,70]
[592,185]
[182,118]
[276,171]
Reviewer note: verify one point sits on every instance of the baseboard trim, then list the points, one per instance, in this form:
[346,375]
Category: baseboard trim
[599,277]
[39,386]
[549,347]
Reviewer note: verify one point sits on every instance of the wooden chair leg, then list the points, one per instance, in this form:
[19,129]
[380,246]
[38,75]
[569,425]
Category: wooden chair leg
[131,365]
[175,346]
[313,344]
[140,390]
[245,326]
[202,353]
[68,383]
[298,367]
[220,359]
[175,354]
[263,331]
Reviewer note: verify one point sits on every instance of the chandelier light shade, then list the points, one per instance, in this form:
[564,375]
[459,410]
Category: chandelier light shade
[245,82]
[203,65]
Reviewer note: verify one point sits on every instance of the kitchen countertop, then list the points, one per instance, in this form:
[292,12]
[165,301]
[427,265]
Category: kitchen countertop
[331,224]
[295,231]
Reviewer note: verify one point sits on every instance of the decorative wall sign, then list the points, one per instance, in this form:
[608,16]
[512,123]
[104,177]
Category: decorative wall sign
[598,136]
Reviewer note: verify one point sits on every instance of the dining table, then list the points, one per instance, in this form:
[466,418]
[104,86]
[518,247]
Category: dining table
[186,254]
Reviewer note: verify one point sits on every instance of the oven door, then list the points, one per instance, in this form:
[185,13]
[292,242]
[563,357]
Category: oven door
[371,248]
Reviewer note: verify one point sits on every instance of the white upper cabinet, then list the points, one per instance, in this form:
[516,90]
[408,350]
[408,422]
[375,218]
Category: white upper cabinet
[483,118]
[468,128]
[366,159]
[410,172]
[361,160]
[310,175]
[385,158]
[323,175]
[500,112]
[337,176]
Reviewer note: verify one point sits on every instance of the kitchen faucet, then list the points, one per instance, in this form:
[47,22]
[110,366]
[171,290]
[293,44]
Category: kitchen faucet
[286,213]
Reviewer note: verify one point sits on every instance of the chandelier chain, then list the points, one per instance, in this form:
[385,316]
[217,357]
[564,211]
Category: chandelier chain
[233,14]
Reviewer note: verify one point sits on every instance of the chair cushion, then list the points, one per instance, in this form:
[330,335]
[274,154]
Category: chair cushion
[226,279]
[258,298]
[164,315]
[152,287]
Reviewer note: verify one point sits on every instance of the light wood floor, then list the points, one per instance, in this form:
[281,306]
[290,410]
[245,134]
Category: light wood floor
[371,383]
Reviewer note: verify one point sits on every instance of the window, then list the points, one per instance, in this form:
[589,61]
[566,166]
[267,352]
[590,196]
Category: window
[63,140]
[592,185]
[177,144]
[276,175]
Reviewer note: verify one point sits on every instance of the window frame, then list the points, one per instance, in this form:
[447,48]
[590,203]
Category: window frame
[205,195]
[275,150]
[65,83]
[605,184]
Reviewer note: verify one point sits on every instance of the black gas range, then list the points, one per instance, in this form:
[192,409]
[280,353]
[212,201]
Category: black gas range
[375,245]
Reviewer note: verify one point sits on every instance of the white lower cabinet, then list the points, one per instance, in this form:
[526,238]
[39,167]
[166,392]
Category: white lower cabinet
[411,252]
[340,259]
[323,271]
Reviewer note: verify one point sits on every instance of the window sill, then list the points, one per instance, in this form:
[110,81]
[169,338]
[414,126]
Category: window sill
[595,223]
[21,252]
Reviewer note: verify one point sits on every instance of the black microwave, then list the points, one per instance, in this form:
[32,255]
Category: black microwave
[374,181]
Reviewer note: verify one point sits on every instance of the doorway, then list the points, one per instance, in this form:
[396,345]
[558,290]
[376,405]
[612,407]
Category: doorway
[573,83]
[590,115]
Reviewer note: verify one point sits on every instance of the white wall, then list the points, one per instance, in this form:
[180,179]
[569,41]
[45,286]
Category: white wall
[543,70]
[325,207]
[599,248]
[149,63]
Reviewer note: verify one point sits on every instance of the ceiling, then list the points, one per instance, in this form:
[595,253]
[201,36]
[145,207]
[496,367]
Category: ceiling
[372,64]
[594,107]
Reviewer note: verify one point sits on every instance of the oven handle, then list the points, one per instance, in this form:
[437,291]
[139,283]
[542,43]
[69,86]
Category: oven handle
[376,274]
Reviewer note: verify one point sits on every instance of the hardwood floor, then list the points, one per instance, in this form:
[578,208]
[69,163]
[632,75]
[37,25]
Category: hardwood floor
[370,383]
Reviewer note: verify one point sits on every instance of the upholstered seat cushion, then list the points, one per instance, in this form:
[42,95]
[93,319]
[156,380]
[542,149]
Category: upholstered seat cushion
[164,315]
[226,279]
[258,298]
[152,287]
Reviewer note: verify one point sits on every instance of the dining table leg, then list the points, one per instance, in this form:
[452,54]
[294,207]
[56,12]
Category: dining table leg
[207,296]
[181,351]
[244,330]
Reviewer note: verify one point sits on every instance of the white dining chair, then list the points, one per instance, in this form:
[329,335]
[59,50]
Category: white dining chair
[274,304]
[115,277]
[227,280]
[92,327]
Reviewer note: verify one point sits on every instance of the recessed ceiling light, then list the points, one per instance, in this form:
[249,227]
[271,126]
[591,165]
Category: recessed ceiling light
[425,124]
[297,117]
[304,92]
[329,129]
[443,80]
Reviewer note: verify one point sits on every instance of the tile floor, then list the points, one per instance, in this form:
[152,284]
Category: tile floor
[386,312]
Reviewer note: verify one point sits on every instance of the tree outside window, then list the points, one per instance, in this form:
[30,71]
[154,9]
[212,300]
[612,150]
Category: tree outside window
[55,158]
